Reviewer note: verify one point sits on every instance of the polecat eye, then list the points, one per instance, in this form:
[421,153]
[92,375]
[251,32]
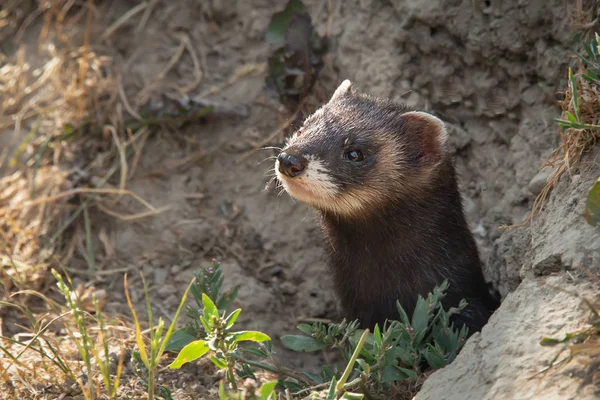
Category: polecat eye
[355,155]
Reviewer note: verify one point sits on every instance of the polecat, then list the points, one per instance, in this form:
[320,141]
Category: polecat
[385,188]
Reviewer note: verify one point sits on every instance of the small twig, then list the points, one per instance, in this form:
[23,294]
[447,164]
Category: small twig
[118,23]
[144,132]
[132,217]
[125,101]
[340,385]
[123,157]
[146,15]
[147,90]
[197,70]
[73,192]
[239,74]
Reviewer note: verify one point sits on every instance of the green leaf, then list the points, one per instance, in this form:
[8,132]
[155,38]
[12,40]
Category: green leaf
[305,328]
[254,351]
[232,318]
[222,395]
[403,316]
[592,205]
[302,343]
[219,363]
[392,373]
[189,353]
[292,386]
[591,76]
[562,123]
[571,117]
[331,393]
[377,335]
[353,396]
[278,27]
[434,357]
[210,310]
[252,336]
[573,84]
[267,389]
[420,316]
[568,337]
[410,374]
[206,324]
[405,355]
[228,298]
[316,378]
[550,341]
[179,340]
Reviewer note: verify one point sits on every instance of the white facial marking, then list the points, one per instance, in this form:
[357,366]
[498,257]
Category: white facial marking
[313,186]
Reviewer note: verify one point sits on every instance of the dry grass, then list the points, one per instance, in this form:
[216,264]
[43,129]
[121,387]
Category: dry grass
[46,109]
[576,140]
[65,135]
[579,124]
[69,136]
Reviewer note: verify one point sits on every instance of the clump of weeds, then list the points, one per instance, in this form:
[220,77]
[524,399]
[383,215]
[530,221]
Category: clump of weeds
[394,358]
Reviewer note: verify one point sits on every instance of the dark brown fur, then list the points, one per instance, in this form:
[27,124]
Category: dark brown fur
[405,250]
[412,235]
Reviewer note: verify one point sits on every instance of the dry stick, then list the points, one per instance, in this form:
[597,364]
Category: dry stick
[274,134]
[123,157]
[125,101]
[145,133]
[197,70]
[132,217]
[118,23]
[72,192]
[146,15]
[240,73]
[144,93]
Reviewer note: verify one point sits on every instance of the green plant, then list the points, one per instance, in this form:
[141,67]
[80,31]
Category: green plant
[158,343]
[38,343]
[221,342]
[209,282]
[84,343]
[397,352]
[592,205]
[142,374]
[579,124]
[295,64]
[249,391]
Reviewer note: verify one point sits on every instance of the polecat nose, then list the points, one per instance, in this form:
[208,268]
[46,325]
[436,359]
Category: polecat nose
[291,165]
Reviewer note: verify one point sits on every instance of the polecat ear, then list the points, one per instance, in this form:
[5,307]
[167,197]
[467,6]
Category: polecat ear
[342,90]
[430,133]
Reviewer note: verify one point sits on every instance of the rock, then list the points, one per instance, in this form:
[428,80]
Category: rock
[166,290]
[160,274]
[532,95]
[175,269]
[500,362]
[538,182]
[288,288]
[504,360]
[560,234]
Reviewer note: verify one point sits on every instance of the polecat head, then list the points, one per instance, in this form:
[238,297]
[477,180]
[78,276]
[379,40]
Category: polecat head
[357,153]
